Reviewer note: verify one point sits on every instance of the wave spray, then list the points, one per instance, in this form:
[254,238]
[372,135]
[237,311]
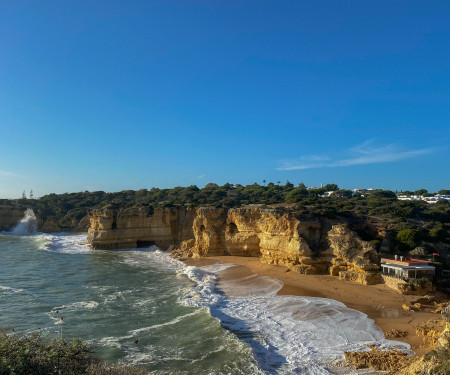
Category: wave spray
[27,225]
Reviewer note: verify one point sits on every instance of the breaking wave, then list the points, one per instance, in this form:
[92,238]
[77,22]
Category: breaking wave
[287,334]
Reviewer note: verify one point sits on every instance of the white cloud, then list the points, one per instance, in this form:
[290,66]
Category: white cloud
[365,153]
[201,176]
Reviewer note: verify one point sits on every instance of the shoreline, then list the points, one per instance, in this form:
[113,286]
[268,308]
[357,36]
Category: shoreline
[378,302]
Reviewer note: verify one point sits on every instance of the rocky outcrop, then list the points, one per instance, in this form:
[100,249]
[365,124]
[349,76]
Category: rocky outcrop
[277,238]
[10,216]
[416,289]
[437,361]
[352,258]
[304,244]
[435,333]
[382,360]
[140,226]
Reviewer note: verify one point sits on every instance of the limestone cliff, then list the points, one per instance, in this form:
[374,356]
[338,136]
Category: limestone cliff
[281,237]
[306,245]
[140,226]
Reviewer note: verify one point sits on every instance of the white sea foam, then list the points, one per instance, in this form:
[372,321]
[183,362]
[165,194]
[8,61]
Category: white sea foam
[218,267]
[64,243]
[83,305]
[10,290]
[178,319]
[27,225]
[149,354]
[253,285]
[288,334]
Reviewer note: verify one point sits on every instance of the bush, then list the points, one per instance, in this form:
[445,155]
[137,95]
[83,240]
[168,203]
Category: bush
[441,358]
[418,282]
[408,237]
[34,354]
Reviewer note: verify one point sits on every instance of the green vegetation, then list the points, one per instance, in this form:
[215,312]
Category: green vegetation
[408,237]
[441,357]
[34,354]
[410,223]
[418,282]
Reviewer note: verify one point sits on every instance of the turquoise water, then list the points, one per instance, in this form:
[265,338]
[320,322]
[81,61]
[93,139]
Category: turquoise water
[147,309]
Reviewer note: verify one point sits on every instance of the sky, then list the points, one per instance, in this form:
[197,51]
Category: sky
[116,95]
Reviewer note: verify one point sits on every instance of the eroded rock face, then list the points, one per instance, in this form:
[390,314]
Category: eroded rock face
[352,259]
[278,238]
[307,245]
[140,226]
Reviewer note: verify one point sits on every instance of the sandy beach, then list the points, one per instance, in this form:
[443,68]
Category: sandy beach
[379,302]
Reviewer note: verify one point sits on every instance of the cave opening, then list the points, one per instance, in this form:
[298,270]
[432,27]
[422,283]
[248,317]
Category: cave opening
[141,244]
[232,228]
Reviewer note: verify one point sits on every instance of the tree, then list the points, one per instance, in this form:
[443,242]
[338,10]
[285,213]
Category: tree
[264,182]
[382,194]
[331,187]
[444,192]
[408,237]
[443,203]
[296,195]
[421,192]
[288,184]
[343,193]
[31,194]
[24,195]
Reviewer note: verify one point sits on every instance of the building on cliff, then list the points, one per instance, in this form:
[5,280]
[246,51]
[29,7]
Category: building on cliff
[406,269]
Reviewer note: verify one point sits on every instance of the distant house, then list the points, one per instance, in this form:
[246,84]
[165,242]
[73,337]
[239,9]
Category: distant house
[406,269]
[432,199]
[409,197]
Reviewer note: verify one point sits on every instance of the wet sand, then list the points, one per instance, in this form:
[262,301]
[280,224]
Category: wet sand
[379,302]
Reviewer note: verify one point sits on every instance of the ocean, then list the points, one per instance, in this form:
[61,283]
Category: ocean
[144,308]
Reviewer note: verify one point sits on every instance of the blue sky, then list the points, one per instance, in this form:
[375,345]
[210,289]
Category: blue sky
[114,95]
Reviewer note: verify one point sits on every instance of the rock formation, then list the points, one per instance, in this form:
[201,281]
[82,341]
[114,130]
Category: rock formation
[281,237]
[140,226]
[435,333]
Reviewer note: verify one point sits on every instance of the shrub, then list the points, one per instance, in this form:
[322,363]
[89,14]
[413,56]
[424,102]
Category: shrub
[419,282]
[34,354]
[408,237]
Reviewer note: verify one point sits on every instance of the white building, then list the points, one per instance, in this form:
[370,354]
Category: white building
[406,269]
[432,199]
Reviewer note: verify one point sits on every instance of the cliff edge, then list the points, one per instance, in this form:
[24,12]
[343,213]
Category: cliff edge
[307,244]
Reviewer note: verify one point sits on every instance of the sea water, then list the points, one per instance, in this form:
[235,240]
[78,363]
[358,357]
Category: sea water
[147,309]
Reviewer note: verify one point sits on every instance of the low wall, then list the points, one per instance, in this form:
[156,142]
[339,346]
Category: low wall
[393,282]
[403,287]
